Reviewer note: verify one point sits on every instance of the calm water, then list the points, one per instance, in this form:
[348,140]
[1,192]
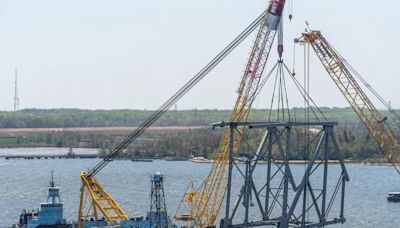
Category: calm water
[23,184]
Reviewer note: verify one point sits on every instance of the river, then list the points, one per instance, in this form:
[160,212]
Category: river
[23,184]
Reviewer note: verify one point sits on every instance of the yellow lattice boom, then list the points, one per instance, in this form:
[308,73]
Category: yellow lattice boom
[202,210]
[95,201]
[361,104]
[100,202]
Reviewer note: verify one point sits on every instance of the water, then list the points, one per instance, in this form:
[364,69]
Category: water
[23,184]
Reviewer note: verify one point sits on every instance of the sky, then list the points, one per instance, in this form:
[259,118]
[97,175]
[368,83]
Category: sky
[131,54]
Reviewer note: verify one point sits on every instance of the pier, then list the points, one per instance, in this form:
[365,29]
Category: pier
[65,156]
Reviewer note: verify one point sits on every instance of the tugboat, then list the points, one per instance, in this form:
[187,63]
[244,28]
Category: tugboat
[70,153]
[50,213]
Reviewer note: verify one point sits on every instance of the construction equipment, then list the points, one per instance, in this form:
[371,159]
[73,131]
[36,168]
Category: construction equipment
[200,208]
[100,201]
[341,73]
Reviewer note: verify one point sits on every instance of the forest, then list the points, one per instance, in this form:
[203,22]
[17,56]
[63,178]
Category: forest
[356,143]
[64,118]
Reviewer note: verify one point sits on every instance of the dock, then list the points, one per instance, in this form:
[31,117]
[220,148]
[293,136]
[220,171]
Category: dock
[66,156]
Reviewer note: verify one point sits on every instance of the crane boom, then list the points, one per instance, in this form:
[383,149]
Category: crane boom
[101,201]
[201,208]
[373,120]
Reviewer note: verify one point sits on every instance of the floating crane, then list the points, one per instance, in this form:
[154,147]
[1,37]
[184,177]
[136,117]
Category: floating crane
[200,207]
[204,204]
[101,203]
[341,73]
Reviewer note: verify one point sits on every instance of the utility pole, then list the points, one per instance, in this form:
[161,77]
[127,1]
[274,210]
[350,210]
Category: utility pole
[16,98]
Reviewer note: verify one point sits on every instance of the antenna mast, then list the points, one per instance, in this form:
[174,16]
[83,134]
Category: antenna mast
[16,98]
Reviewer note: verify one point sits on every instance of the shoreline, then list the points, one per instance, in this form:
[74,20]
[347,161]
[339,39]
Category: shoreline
[372,161]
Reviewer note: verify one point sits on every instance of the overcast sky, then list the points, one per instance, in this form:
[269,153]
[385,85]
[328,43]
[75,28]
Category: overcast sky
[103,54]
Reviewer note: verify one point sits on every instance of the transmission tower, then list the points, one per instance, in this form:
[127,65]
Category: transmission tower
[16,98]
[158,209]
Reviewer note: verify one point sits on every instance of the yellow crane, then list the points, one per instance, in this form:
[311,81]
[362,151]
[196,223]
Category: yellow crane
[341,73]
[200,207]
[95,201]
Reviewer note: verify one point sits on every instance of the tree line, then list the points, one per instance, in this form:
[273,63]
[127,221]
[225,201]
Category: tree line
[354,139]
[64,118]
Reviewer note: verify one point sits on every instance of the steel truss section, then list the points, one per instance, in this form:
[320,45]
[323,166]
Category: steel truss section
[282,199]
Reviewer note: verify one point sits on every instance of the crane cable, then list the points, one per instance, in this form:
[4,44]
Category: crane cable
[179,94]
[306,153]
[306,96]
[364,81]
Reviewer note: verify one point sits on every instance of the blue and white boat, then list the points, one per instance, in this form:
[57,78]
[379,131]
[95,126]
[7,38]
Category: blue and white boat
[50,213]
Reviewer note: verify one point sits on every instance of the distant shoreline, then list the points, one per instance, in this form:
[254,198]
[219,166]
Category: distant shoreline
[376,161]
[6,131]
